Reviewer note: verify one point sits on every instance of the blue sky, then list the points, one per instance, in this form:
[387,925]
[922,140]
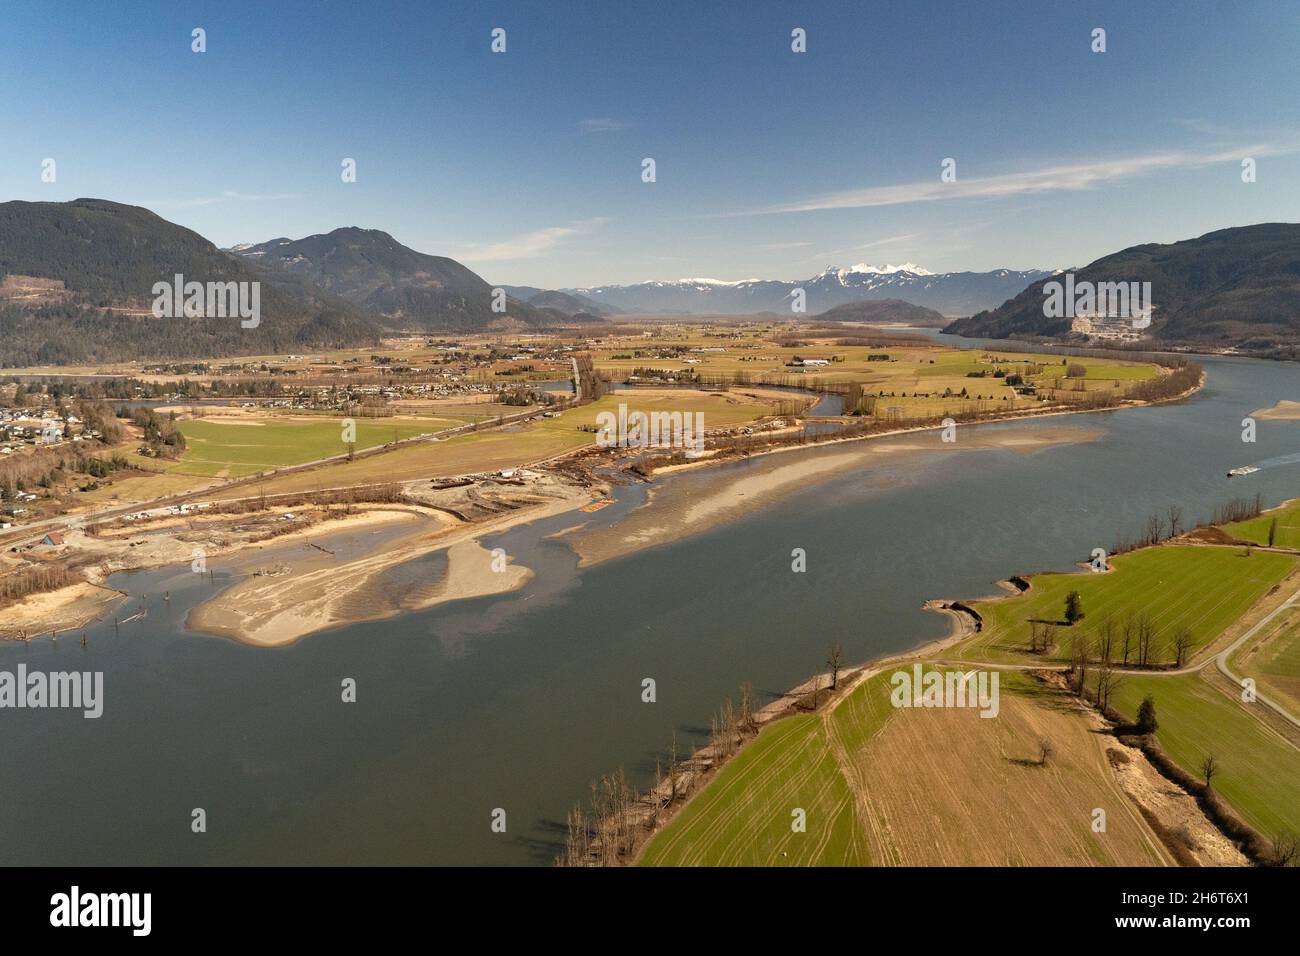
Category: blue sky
[527,165]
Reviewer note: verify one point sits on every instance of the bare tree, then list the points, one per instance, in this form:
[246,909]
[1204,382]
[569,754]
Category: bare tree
[816,689]
[833,659]
[1106,641]
[1154,528]
[1175,520]
[673,771]
[1146,632]
[748,724]
[577,842]
[1182,644]
[1286,849]
[1209,769]
[1078,663]
[1109,680]
[1046,749]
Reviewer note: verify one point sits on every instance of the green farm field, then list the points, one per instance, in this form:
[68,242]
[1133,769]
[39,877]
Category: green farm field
[1257,529]
[236,449]
[743,816]
[1205,589]
[1259,772]
[1274,659]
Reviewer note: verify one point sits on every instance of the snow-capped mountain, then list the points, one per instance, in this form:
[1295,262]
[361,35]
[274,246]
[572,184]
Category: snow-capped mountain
[951,293]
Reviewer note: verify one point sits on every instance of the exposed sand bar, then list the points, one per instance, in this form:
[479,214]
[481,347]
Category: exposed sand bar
[72,607]
[682,508]
[1285,411]
[319,592]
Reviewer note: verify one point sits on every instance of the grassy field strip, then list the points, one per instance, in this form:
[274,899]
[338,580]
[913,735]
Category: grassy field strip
[1203,588]
[743,816]
[1260,769]
[1274,659]
[699,823]
[244,447]
[1256,529]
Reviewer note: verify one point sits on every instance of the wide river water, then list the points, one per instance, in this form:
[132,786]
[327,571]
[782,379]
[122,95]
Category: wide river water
[518,702]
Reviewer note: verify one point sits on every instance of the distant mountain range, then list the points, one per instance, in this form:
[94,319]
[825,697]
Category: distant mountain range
[564,302]
[406,289]
[950,293]
[77,278]
[1235,287]
[76,282]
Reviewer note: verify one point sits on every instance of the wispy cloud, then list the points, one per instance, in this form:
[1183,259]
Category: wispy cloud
[603,125]
[529,245]
[1058,178]
[779,246]
[228,196]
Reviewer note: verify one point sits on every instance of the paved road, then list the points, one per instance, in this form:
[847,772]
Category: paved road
[1221,661]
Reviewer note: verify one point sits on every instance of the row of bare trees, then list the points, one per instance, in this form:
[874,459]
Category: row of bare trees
[1160,526]
[1129,641]
[1042,637]
[618,817]
[35,580]
[1239,509]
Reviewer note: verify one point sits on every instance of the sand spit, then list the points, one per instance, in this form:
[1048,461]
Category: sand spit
[676,510]
[1284,411]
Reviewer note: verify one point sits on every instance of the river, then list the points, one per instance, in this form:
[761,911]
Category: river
[517,702]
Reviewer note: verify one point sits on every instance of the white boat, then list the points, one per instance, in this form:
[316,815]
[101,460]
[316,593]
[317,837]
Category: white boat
[1242,471]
